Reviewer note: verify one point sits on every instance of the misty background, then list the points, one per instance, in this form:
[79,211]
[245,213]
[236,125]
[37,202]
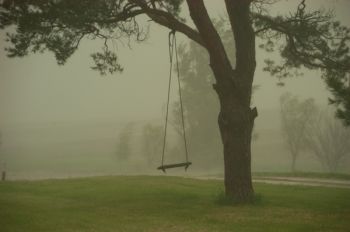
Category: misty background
[64,121]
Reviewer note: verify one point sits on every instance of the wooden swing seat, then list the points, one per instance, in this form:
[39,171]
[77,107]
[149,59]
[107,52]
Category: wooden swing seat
[177,165]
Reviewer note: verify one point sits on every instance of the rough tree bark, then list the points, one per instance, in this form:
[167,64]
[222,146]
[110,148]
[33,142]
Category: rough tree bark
[236,118]
[234,88]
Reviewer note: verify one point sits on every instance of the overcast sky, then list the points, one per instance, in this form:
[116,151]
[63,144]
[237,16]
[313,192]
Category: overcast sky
[35,89]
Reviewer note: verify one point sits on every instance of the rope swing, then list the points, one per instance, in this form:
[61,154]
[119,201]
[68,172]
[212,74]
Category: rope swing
[172,52]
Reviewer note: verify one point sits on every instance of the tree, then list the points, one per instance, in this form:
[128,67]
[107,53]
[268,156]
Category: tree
[124,143]
[296,117]
[199,102]
[311,39]
[151,142]
[329,141]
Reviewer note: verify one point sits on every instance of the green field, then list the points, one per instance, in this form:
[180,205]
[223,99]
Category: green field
[144,203]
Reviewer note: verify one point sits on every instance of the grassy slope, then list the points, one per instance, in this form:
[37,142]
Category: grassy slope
[165,204]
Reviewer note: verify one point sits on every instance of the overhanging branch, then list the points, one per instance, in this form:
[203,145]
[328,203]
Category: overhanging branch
[168,20]
[165,19]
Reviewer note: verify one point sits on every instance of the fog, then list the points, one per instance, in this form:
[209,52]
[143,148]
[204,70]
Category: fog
[65,121]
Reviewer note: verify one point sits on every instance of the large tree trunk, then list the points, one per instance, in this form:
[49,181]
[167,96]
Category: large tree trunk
[234,88]
[236,126]
[236,118]
[236,121]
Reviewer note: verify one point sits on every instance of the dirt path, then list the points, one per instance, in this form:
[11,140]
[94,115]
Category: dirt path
[333,183]
[304,181]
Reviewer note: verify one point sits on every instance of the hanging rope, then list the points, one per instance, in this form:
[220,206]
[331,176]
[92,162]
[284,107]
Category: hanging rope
[180,95]
[173,49]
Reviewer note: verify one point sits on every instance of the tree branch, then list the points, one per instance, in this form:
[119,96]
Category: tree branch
[165,19]
[168,20]
[219,61]
[298,40]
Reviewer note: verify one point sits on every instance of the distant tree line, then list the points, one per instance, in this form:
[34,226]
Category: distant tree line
[146,141]
[306,128]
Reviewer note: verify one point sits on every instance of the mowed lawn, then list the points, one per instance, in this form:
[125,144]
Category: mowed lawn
[145,203]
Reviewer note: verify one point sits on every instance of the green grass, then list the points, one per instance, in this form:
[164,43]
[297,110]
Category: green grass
[144,203]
